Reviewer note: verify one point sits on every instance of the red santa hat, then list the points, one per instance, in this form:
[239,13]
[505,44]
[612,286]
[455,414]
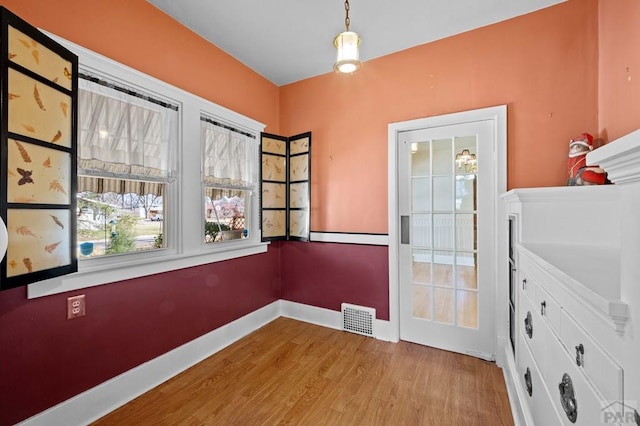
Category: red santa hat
[584,139]
[580,145]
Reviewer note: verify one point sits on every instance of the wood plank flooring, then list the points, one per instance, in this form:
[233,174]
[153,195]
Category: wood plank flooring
[291,372]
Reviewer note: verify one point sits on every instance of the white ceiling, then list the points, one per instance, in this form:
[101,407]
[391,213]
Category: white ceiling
[290,40]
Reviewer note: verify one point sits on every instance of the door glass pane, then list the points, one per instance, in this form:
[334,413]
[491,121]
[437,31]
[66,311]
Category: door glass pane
[466,154]
[443,299]
[421,194]
[442,157]
[466,232]
[421,230]
[466,271]
[443,231]
[421,267]
[422,301]
[442,193]
[466,192]
[444,263]
[443,268]
[420,159]
[467,308]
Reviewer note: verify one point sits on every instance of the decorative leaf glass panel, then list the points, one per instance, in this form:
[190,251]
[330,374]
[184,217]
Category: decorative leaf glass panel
[274,188]
[38,155]
[286,171]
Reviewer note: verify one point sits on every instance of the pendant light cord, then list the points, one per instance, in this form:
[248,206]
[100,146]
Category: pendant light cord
[347,21]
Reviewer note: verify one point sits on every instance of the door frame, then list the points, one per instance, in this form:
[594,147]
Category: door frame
[497,114]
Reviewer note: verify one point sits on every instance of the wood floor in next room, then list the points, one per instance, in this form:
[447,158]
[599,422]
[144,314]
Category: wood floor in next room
[291,372]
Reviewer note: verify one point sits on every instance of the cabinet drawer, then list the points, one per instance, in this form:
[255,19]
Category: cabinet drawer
[548,307]
[536,394]
[534,332]
[525,282]
[605,374]
[588,402]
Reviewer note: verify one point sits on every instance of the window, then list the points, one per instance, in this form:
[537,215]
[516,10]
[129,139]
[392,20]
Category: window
[140,150]
[229,161]
[125,143]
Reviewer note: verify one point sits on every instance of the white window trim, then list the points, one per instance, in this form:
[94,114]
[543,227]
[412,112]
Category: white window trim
[186,239]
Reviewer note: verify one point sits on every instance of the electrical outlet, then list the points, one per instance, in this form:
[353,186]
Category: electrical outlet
[75,306]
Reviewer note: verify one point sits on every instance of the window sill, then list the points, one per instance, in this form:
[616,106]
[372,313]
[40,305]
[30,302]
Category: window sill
[133,267]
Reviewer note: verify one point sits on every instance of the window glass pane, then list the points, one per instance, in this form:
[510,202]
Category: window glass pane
[110,223]
[442,193]
[421,194]
[443,268]
[422,301]
[421,267]
[466,192]
[420,159]
[442,160]
[224,212]
[467,309]
[466,154]
[421,230]
[443,231]
[466,231]
[466,271]
[444,305]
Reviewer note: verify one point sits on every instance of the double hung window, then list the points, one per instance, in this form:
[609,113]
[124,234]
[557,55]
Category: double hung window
[166,179]
[229,180]
[126,144]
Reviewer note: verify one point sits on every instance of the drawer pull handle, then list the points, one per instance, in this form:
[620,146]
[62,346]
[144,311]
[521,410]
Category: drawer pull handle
[580,355]
[543,307]
[528,325]
[527,381]
[568,398]
[524,284]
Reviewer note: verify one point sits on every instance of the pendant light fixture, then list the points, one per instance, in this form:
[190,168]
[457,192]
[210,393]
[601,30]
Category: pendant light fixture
[347,44]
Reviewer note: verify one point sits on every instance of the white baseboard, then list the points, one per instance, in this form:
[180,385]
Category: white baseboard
[98,401]
[328,318]
[521,416]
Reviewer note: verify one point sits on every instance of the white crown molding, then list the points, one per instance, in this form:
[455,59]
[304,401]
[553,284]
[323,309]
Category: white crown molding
[620,159]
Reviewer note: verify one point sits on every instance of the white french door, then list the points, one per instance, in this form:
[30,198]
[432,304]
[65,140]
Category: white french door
[446,208]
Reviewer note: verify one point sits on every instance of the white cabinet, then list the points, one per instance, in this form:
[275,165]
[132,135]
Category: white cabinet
[580,377]
[574,257]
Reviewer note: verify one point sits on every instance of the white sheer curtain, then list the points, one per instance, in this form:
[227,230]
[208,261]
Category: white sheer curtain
[124,136]
[229,157]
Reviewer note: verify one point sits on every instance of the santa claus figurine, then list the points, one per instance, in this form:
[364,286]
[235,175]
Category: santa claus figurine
[579,172]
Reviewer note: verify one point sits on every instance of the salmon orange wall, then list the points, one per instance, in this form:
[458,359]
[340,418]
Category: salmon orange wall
[619,79]
[542,65]
[137,34]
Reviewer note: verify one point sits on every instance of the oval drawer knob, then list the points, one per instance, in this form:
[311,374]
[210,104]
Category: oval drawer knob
[527,381]
[543,307]
[580,355]
[568,398]
[528,325]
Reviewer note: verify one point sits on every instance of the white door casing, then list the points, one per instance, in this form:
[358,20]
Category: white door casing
[496,118]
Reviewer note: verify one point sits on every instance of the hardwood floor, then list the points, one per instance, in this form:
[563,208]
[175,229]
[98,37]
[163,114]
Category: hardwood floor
[291,372]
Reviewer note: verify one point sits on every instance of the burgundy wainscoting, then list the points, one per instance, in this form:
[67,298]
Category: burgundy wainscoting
[328,274]
[46,359]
